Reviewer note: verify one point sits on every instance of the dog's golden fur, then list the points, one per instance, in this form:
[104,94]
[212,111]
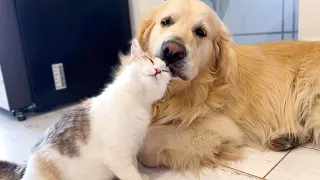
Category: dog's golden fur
[258,95]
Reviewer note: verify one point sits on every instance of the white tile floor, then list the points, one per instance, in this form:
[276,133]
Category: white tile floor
[16,139]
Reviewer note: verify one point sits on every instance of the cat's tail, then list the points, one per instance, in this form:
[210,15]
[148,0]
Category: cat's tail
[11,171]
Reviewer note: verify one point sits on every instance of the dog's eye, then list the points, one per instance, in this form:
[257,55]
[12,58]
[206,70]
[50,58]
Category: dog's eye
[166,22]
[200,32]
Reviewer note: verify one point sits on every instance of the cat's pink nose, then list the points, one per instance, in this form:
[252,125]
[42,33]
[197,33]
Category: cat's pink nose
[158,71]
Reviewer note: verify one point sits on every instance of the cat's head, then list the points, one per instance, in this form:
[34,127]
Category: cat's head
[151,71]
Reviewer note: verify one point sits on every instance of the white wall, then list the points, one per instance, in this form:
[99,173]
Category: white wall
[309,23]
[145,5]
[138,8]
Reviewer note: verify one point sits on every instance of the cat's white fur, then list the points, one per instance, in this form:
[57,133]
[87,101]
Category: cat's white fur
[119,120]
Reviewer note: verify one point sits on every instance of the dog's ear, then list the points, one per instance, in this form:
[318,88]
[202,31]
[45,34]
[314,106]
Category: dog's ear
[146,25]
[224,54]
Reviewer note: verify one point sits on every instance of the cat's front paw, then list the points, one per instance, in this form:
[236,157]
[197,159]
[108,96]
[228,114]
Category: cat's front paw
[145,177]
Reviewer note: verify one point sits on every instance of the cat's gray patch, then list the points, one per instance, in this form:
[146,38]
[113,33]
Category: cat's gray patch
[66,134]
[11,171]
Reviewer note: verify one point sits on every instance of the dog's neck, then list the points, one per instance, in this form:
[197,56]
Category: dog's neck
[189,96]
[196,94]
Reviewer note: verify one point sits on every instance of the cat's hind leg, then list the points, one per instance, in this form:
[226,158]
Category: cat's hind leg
[41,168]
[124,167]
[135,162]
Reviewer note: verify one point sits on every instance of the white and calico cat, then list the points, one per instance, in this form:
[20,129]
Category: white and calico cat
[100,139]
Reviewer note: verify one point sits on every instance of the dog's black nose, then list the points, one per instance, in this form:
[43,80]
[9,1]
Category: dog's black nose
[173,51]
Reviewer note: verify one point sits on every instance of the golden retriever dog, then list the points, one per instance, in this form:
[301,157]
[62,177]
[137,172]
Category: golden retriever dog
[228,96]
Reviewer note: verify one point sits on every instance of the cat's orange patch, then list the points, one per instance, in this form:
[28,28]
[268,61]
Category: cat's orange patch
[47,168]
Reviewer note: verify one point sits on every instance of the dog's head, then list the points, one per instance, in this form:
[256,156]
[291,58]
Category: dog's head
[187,35]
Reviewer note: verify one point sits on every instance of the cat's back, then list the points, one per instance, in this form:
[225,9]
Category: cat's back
[68,133]
[66,151]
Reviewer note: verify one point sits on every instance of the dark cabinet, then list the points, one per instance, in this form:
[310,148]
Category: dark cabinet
[54,52]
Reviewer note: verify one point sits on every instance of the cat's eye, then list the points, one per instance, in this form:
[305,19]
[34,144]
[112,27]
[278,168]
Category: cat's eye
[166,70]
[151,61]
[167,22]
[200,32]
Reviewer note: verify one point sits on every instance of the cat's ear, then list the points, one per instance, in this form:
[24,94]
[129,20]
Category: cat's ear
[136,50]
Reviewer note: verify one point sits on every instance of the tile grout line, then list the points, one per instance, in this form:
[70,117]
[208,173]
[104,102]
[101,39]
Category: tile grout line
[245,173]
[264,177]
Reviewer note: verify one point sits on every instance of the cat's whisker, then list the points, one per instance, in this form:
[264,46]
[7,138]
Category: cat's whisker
[175,78]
